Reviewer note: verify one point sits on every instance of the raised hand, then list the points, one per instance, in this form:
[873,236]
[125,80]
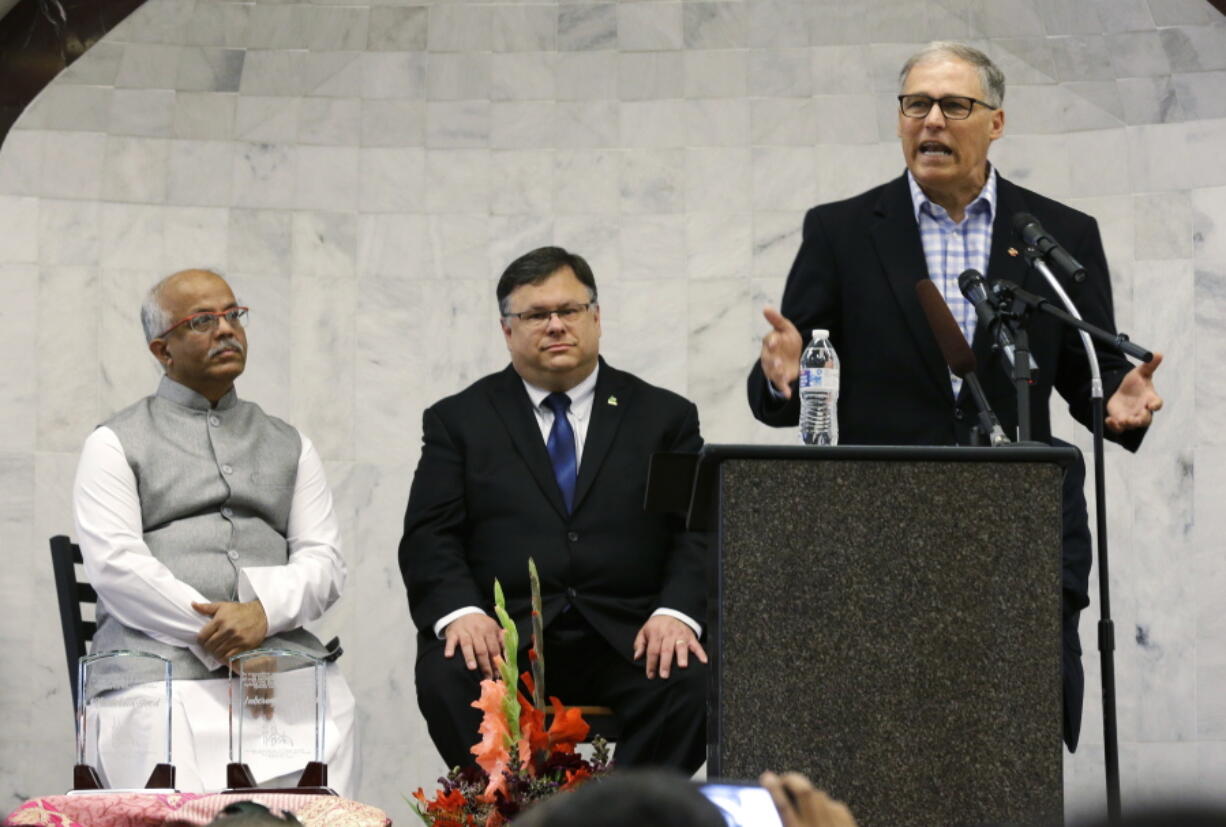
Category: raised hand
[1135,400]
[781,349]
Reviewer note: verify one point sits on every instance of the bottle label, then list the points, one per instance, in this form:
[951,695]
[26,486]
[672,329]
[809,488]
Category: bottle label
[822,379]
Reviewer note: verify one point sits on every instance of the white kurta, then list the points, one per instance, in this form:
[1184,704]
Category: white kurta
[143,594]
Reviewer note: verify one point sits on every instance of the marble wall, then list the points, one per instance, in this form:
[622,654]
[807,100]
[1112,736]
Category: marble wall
[362,170]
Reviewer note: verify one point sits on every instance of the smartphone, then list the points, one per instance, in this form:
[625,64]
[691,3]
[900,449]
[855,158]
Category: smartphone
[742,804]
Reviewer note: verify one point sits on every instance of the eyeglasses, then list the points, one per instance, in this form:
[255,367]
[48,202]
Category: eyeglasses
[954,107]
[206,321]
[566,314]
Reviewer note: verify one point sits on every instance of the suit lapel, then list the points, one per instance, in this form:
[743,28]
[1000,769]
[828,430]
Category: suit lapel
[510,401]
[613,395]
[897,241]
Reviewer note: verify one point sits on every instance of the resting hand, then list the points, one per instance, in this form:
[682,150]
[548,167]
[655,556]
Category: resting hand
[480,639]
[801,805]
[665,639]
[781,352]
[1134,402]
[235,628]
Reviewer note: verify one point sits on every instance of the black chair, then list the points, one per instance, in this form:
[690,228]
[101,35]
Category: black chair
[72,594]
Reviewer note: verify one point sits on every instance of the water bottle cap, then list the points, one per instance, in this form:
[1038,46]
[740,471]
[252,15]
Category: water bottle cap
[818,333]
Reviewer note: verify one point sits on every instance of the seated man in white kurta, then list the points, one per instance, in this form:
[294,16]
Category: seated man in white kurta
[207,529]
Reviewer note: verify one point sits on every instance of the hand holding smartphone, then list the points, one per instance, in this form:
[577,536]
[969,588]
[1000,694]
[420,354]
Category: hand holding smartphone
[743,804]
[789,800]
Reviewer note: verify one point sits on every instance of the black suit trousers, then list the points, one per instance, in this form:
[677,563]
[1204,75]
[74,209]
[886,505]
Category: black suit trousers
[662,721]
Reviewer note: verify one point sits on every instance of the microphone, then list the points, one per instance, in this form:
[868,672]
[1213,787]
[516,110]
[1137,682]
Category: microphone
[975,289]
[958,354]
[1032,234]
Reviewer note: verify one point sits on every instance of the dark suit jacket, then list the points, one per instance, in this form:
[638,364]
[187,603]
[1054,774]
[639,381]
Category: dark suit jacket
[855,275]
[484,500]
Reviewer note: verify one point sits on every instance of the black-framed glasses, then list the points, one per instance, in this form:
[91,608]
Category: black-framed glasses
[954,107]
[566,314]
[206,321]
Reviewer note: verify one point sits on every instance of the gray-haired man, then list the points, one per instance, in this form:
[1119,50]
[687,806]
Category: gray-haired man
[207,529]
[855,275]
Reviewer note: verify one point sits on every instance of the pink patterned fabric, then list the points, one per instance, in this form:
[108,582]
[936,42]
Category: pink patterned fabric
[187,810]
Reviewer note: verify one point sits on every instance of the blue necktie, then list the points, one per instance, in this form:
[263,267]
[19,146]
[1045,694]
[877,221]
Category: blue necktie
[561,446]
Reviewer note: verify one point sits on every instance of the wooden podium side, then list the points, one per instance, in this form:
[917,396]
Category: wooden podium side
[887,621]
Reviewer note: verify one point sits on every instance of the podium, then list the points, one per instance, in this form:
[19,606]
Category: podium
[887,621]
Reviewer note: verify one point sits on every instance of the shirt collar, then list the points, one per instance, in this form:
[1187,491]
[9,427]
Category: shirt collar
[181,394]
[987,196]
[581,395]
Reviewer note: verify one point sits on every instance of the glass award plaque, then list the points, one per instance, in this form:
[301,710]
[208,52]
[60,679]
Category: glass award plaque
[278,705]
[123,722]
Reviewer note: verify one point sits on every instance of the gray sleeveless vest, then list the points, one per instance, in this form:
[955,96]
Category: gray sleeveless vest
[215,488]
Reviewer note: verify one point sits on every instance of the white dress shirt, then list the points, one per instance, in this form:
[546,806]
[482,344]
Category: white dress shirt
[582,396]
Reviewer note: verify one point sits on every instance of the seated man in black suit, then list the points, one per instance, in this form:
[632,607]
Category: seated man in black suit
[855,276]
[548,459]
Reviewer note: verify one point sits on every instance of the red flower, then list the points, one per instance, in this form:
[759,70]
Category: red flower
[446,810]
[568,727]
[576,777]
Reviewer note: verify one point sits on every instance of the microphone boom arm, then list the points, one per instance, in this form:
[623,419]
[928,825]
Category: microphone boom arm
[1119,341]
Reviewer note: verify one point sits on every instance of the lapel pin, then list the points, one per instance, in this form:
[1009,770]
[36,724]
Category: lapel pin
[613,401]
[1013,252]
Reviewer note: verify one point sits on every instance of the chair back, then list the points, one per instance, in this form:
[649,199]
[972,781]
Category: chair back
[71,594]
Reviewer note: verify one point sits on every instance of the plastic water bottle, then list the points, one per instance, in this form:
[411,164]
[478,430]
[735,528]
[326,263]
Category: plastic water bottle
[819,392]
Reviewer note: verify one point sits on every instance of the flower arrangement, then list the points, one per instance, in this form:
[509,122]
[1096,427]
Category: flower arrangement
[519,759]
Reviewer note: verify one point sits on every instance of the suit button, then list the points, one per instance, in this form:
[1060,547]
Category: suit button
[958,414]
[232,554]
[214,420]
[227,511]
[573,536]
[571,593]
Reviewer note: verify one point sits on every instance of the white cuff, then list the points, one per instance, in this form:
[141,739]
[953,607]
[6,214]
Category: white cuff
[260,583]
[684,618]
[210,663]
[446,619]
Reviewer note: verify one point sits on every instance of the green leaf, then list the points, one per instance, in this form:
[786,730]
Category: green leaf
[509,667]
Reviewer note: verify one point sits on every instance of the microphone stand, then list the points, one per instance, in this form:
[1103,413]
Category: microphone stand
[1106,628]
[1018,367]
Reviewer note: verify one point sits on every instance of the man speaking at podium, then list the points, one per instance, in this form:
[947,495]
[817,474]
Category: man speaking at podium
[855,276]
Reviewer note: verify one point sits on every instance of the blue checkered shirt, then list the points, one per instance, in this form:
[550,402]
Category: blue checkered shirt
[950,248]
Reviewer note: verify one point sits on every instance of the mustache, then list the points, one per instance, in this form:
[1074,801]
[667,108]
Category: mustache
[227,343]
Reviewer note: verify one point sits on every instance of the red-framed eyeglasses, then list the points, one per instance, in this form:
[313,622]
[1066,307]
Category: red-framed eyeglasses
[206,321]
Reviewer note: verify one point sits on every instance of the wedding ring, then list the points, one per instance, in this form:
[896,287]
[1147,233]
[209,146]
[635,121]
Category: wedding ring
[680,642]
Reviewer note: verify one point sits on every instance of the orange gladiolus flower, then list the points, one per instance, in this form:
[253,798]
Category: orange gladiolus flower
[491,751]
[568,727]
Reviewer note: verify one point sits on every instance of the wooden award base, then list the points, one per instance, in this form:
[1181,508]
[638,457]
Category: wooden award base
[314,781]
[86,778]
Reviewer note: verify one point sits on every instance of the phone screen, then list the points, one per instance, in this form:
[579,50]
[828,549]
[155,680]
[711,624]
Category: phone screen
[743,805]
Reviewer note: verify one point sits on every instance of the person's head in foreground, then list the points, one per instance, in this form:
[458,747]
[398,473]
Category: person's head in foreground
[644,798]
